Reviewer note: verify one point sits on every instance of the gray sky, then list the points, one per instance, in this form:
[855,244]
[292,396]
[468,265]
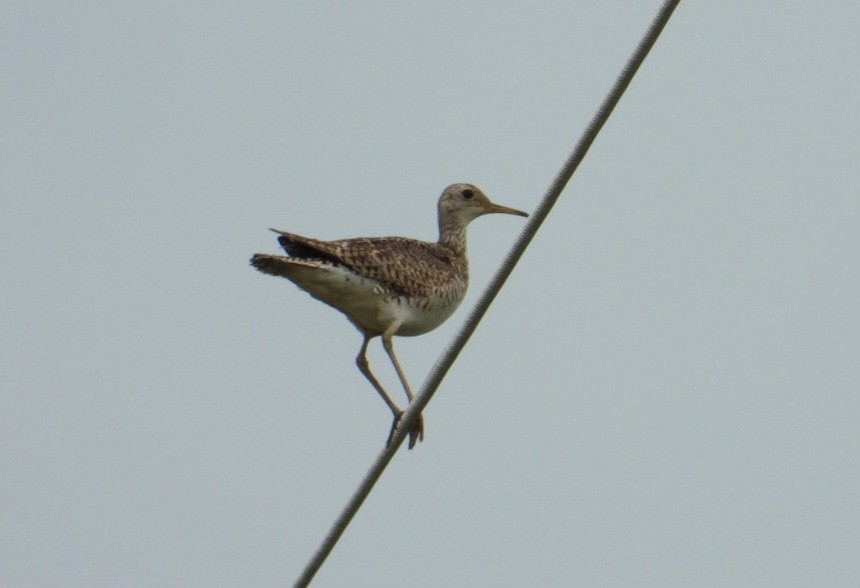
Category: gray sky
[664,394]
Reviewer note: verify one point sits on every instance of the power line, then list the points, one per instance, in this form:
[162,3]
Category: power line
[443,364]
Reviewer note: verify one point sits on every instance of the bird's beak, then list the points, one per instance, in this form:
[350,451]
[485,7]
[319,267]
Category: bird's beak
[506,210]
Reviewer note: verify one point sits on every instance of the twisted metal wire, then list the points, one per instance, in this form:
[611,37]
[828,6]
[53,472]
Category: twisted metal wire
[443,364]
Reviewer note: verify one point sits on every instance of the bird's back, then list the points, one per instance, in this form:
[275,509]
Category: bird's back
[375,281]
[403,266]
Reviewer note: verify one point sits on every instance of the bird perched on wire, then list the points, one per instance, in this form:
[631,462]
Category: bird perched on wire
[388,286]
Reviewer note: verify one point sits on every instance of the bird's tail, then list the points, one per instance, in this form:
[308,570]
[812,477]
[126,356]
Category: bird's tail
[274,265]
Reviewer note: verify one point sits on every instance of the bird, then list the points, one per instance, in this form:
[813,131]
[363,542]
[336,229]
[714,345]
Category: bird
[388,286]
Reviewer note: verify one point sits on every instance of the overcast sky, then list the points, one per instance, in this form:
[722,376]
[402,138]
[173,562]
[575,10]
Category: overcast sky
[665,393]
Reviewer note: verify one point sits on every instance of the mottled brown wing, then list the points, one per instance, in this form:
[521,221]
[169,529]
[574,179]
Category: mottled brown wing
[405,266]
[305,247]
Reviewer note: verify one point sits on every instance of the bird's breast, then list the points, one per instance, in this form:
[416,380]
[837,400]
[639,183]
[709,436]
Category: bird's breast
[372,306]
[422,315]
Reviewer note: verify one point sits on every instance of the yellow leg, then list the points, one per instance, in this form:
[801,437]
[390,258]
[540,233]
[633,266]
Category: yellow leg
[364,368]
[417,433]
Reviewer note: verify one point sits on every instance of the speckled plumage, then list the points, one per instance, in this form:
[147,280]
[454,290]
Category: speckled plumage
[407,267]
[388,286]
[373,281]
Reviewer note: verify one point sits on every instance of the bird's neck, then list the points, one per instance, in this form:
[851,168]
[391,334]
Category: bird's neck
[453,236]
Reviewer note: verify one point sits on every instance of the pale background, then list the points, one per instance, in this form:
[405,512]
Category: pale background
[664,394]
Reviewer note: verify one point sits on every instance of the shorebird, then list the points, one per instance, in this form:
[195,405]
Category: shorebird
[388,286]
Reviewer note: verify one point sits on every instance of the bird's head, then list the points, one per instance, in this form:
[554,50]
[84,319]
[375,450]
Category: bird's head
[462,203]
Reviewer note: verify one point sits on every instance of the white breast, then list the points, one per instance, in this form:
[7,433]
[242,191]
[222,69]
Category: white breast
[368,304]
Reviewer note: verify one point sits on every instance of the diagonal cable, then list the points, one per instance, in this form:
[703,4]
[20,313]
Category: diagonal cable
[443,364]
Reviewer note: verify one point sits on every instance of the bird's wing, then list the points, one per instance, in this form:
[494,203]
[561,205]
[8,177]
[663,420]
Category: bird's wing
[404,266]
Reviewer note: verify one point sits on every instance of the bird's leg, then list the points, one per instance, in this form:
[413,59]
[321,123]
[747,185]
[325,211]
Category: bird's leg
[417,432]
[364,368]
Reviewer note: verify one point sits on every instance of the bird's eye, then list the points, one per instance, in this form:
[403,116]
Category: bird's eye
[467,193]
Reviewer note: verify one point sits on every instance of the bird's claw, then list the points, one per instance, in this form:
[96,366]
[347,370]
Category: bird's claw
[416,433]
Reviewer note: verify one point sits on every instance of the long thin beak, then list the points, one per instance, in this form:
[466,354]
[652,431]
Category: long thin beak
[506,210]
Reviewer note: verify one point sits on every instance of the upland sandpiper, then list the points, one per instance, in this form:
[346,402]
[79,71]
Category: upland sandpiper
[388,286]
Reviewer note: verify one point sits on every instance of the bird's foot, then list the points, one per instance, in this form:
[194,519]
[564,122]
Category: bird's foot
[416,433]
